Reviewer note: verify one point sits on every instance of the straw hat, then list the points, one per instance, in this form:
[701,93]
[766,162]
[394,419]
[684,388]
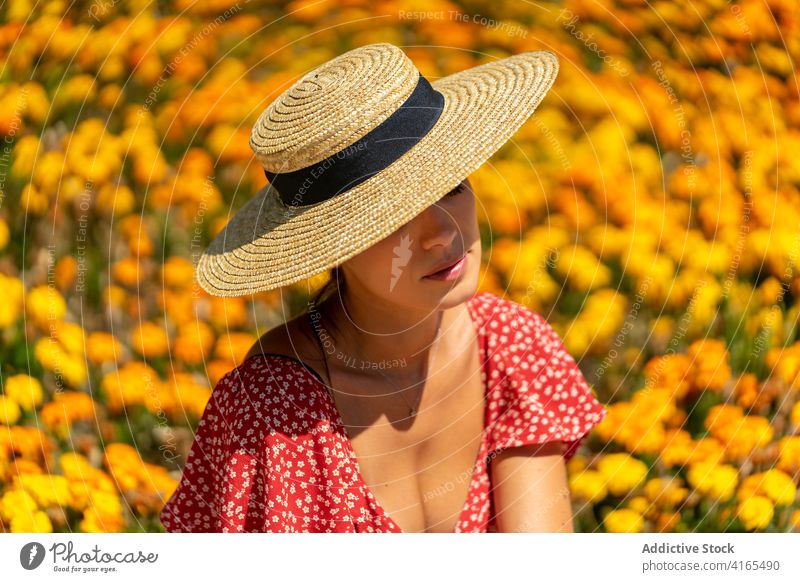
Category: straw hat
[358,147]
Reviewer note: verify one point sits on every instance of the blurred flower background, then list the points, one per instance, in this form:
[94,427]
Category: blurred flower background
[649,210]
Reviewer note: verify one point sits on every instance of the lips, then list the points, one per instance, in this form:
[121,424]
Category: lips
[446,264]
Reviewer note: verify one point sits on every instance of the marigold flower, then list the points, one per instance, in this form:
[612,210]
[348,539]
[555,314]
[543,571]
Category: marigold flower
[711,369]
[150,340]
[35,522]
[789,454]
[717,482]
[233,347]
[16,501]
[44,304]
[177,272]
[623,473]
[672,371]
[624,521]
[11,306]
[9,410]
[755,512]
[589,485]
[666,492]
[194,342]
[103,347]
[47,490]
[774,484]
[66,409]
[24,390]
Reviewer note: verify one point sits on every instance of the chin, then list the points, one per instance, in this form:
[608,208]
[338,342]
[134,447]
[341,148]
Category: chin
[457,292]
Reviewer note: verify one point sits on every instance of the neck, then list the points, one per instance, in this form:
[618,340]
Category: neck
[376,335]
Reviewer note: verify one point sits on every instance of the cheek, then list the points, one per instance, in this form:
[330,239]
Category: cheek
[466,217]
[375,264]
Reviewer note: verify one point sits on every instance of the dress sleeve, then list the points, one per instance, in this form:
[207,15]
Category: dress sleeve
[545,397]
[214,491]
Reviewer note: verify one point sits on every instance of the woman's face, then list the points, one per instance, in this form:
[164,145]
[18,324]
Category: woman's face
[395,270]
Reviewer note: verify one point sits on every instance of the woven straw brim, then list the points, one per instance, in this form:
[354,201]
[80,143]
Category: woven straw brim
[267,245]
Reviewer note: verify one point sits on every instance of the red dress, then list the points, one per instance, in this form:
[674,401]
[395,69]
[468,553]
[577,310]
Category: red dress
[270,453]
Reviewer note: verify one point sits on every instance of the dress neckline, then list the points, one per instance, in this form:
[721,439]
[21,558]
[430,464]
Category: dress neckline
[339,421]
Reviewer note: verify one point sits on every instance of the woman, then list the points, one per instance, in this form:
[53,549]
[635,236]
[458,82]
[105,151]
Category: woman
[401,400]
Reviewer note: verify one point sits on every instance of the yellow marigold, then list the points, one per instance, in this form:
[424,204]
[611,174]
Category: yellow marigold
[11,306]
[49,353]
[576,464]
[789,454]
[36,522]
[707,449]
[66,409]
[773,484]
[150,340]
[33,200]
[44,304]
[746,389]
[589,485]
[126,466]
[9,411]
[185,394]
[654,404]
[233,347]
[717,482]
[624,521]
[666,492]
[127,271]
[795,415]
[216,369]
[27,466]
[672,371]
[134,383]
[16,501]
[27,442]
[623,473]
[194,342]
[711,369]
[616,424]
[644,438]
[24,390]
[65,271]
[786,363]
[178,306]
[73,370]
[47,490]
[104,513]
[177,272]
[75,466]
[4,234]
[755,512]
[228,312]
[581,268]
[641,504]
[115,296]
[745,436]
[722,417]
[103,347]
[115,198]
[71,336]
[678,446]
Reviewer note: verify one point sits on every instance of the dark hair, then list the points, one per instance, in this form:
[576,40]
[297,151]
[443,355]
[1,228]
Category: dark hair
[334,285]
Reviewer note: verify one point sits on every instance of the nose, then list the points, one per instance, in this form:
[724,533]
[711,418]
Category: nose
[438,227]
